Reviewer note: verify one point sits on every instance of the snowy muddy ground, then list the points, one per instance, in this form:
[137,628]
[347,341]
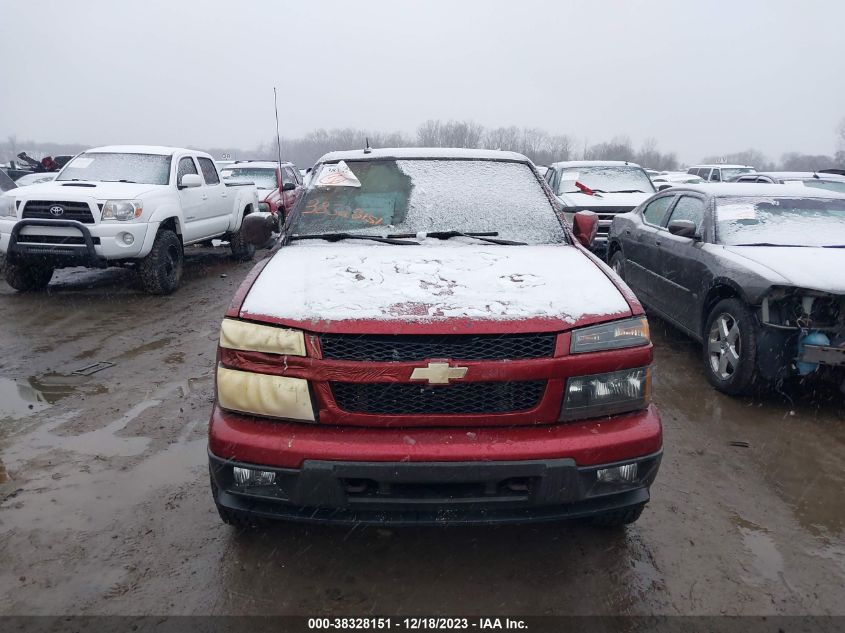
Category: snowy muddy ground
[105,506]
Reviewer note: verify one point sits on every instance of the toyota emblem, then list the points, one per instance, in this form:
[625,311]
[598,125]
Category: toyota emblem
[57,210]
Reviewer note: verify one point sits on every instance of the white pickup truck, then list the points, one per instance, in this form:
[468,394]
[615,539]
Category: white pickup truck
[122,206]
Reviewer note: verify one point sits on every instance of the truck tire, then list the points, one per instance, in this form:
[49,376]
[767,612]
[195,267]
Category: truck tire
[161,269]
[618,518]
[25,278]
[241,250]
[617,263]
[730,349]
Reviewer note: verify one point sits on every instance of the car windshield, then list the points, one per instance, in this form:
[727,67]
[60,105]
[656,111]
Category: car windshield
[830,185]
[150,169]
[733,172]
[414,196]
[263,177]
[780,221]
[605,178]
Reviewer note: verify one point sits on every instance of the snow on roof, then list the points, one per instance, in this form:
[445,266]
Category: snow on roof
[594,163]
[410,153]
[722,165]
[260,164]
[757,190]
[142,149]
[800,175]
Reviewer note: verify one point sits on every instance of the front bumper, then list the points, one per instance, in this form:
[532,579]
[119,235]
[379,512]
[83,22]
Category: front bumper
[71,243]
[420,493]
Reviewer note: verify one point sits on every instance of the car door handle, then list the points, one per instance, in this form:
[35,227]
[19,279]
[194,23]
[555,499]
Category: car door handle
[657,242]
[204,197]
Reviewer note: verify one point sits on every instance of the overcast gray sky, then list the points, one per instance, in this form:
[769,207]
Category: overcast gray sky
[702,77]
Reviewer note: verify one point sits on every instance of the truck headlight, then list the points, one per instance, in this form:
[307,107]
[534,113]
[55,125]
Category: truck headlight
[615,335]
[264,395]
[8,208]
[251,337]
[606,394]
[122,210]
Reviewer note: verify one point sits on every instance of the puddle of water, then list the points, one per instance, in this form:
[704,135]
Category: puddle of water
[175,358]
[146,347]
[19,399]
[767,560]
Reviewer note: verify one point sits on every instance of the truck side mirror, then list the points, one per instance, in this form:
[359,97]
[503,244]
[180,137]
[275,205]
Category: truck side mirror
[190,180]
[289,186]
[257,228]
[585,225]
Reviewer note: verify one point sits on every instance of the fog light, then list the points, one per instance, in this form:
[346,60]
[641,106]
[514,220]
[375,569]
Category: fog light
[617,474]
[127,238]
[249,477]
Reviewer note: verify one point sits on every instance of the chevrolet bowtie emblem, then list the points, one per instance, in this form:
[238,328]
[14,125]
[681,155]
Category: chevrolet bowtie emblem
[439,373]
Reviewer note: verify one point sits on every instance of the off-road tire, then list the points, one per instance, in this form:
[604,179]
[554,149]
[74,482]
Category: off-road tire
[161,269]
[617,263]
[241,250]
[25,278]
[618,518]
[745,377]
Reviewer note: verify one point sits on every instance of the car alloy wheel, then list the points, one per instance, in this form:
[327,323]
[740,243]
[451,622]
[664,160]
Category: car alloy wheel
[724,346]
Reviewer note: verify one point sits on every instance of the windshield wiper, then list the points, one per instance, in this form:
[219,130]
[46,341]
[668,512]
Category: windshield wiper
[771,244]
[121,180]
[628,191]
[336,237]
[445,235]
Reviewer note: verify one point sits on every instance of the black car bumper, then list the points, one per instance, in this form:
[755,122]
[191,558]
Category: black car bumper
[412,493]
[59,251]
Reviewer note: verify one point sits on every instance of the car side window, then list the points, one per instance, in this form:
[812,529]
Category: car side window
[655,211]
[689,208]
[716,176]
[186,166]
[209,172]
[289,177]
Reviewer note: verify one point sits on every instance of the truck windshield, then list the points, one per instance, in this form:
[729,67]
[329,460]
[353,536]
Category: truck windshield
[424,195]
[771,221]
[262,177]
[607,179]
[149,169]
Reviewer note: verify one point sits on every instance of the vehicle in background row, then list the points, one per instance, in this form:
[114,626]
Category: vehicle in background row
[668,179]
[542,170]
[719,173]
[442,353]
[831,182]
[604,187]
[6,183]
[754,272]
[279,186]
[128,205]
[35,178]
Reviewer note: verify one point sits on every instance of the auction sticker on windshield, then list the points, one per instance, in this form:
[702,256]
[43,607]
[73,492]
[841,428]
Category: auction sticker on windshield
[338,175]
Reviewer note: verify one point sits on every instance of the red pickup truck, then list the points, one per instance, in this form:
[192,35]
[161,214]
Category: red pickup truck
[432,343]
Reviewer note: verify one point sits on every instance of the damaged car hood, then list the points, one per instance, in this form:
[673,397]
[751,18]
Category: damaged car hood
[812,268]
[321,282]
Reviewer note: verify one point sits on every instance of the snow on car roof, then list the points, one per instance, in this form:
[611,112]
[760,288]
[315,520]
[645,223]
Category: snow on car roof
[410,153]
[260,164]
[594,163]
[800,175]
[722,165]
[758,190]
[141,149]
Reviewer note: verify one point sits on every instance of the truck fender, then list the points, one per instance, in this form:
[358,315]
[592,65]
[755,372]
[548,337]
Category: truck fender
[171,217]
[244,207]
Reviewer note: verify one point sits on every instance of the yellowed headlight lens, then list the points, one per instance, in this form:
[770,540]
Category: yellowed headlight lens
[251,337]
[615,335]
[263,394]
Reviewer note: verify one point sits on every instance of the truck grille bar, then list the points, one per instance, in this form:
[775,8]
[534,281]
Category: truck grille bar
[387,348]
[414,399]
[40,210]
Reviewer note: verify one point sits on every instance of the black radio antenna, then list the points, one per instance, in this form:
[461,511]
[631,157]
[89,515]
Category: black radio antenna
[278,139]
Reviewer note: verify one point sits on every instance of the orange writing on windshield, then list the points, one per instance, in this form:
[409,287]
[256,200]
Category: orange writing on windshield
[315,207]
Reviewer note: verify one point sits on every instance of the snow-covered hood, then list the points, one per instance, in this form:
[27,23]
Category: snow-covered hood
[67,190]
[811,268]
[582,200]
[319,283]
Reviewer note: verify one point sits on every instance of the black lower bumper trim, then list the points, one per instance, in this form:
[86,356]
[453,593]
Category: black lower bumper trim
[55,254]
[435,493]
